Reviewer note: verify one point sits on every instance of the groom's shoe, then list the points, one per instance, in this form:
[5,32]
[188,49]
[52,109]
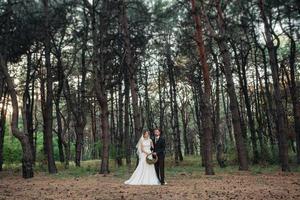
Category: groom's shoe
[163,183]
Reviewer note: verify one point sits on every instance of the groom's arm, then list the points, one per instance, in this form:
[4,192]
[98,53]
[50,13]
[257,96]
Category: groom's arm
[152,147]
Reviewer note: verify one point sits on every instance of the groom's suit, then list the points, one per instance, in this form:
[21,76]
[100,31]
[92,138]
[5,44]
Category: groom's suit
[159,148]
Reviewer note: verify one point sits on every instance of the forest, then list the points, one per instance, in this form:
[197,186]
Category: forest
[80,80]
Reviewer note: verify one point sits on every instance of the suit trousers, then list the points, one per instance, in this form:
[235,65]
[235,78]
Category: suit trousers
[160,168]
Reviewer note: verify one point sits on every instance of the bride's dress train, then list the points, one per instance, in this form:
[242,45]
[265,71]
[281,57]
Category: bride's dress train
[145,173]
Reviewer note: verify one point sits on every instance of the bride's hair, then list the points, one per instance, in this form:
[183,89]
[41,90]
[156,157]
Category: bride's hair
[146,131]
[138,145]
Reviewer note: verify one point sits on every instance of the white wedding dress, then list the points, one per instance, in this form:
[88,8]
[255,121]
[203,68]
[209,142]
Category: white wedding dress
[145,173]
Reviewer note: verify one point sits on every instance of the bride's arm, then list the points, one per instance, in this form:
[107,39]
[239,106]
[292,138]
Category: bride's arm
[142,148]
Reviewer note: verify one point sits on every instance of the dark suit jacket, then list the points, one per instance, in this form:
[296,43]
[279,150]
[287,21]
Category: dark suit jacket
[159,146]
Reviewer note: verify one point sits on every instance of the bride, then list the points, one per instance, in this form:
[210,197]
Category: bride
[145,173]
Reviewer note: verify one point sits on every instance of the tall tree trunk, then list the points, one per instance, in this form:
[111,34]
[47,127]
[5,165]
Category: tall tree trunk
[280,113]
[132,72]
[260,128]
[100,78]
[226,112]
[22,136]
[174,107]
[28,100]
[66,134]
[294,88]
[57,99]
[48,106]
[59,130]
[234,106]
[105,134]
[206,98]
[59,133]
[268,101]
[198,114]
[219,134]
[184,119]
[241,63]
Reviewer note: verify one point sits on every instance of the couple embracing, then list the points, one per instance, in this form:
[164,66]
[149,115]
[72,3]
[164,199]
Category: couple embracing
[149,174]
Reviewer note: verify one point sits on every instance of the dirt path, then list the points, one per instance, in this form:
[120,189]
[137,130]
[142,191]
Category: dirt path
[225,186]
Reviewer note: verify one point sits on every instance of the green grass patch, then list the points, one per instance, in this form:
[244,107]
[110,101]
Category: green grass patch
[190,166]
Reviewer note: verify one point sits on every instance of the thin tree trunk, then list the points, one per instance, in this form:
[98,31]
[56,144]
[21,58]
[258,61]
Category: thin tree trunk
[174,107]
[225,107]
[3,103]
[94,128]
[149,115]
[268,101]
[244,86]
[48,106]
[161,110]
[127,121]
[219,134]
[120,126]
[184,119]
[59,133]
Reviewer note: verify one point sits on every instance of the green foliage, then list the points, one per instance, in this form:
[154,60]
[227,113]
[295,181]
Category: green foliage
[87,168]
[12,150]
[191,166]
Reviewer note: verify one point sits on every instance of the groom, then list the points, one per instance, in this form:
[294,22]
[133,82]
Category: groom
[159,151]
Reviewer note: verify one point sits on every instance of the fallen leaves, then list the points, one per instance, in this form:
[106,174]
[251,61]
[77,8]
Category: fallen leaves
[184,186]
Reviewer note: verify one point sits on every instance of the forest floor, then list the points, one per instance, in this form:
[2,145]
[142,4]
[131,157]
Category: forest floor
[184,182]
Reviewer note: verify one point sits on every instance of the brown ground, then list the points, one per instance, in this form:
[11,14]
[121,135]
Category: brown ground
[224,186]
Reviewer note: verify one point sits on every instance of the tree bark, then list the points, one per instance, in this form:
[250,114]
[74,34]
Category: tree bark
[127,138]
[234,106]
[94,127]
[241,62]
[293,86]
[280,113]
[174,107]
[120,127]
[22,136]
[48,106]
[219,134]
[100,77]
[3,103]
[132,72]
[28,100]
[206,98]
